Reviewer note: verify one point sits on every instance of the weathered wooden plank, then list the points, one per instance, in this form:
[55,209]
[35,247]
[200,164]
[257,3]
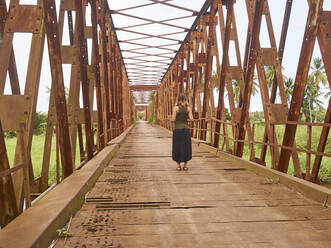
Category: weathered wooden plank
[134,201]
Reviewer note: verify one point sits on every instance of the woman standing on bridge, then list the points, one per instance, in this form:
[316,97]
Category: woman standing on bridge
[181,138]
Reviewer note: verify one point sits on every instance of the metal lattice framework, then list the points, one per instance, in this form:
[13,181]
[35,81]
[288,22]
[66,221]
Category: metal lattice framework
[123,72]
[147,55]
[191,73]
[104,78]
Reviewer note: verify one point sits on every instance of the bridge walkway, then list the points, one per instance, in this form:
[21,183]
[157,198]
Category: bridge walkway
[142,201]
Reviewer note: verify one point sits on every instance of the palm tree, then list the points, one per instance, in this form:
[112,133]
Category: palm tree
[236,89]
[270,75]
[311,101]
[318,72]
[289,85]
[313,89]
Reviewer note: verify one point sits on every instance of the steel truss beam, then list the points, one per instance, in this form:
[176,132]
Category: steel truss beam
[104,77]
[190,73]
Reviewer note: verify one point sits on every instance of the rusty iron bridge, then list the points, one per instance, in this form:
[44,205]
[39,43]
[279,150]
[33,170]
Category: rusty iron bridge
[110,181]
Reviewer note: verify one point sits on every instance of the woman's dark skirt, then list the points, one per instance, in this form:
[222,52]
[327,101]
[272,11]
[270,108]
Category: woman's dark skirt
[181,145]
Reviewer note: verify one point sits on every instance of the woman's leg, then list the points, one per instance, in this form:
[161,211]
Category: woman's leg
[178,166]
[185,168]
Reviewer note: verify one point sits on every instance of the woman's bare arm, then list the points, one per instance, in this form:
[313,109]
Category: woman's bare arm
[174,112]
[190,116]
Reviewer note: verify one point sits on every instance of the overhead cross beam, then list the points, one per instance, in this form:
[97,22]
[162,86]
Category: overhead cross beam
[142,5]
[148,20]
[147,87]
[148,36]
[143,37]
[173,5]
[151,22]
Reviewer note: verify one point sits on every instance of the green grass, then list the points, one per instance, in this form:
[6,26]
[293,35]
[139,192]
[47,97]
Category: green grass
[37,152]
[301,141]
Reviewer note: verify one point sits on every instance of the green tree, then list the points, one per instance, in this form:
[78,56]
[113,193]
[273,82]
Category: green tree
[39,124]
[311,102]
[327,95]
[256,117]
[10,134]
[236,89]
[318,74]
[152,103]
[289,85]
[270,71]
[40,120]
[141,116]
[270,75]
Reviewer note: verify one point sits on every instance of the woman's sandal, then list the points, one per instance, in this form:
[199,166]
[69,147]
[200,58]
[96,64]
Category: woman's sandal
[185,168]
[179,168]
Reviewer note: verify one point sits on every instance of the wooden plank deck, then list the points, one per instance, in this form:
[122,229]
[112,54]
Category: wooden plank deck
[142,201]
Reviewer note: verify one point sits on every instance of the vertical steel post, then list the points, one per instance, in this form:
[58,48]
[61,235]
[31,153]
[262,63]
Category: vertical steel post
[208,70]
[58,84]
[94,20]
[252,55]
[225,63]
[83,61]
[313,21]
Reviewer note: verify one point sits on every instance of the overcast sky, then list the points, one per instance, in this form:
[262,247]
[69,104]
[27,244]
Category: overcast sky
[292,49]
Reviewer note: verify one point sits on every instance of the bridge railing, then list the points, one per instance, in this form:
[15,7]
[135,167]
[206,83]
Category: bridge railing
[85,56]
[228,143]
[219,91]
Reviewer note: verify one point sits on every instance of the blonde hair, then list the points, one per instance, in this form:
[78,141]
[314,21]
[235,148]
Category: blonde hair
[182,101]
